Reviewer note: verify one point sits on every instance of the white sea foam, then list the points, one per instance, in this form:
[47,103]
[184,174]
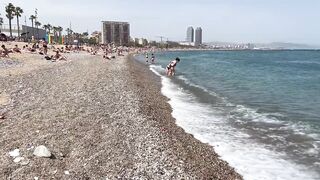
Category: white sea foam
[251,159]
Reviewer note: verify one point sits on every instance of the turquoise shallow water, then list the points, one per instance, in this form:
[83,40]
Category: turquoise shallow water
[272,97]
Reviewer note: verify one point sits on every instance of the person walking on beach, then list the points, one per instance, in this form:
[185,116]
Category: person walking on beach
[171,67]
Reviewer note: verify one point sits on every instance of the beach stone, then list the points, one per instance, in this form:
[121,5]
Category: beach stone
[14,153]
[18,159]
[66,172]
[24,162]
[42,151]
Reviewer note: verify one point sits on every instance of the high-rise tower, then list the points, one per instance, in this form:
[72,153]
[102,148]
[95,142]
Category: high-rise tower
[198,39]
[115,32]
[190,34]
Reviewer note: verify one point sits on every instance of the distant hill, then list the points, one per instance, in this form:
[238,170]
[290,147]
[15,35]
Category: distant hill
[273,45]
[282,45]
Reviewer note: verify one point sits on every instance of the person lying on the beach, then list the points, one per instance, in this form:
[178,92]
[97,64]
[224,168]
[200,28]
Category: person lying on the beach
[5,52]
[29,49]
[68,48]
[2,54]
[49,57]
[59,57]
[109,57]
[41,52]
[171,67]
[16,49]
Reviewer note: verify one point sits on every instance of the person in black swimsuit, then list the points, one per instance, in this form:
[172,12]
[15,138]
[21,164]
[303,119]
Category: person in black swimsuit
[171,67]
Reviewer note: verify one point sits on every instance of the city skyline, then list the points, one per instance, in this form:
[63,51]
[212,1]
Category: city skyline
[226,21]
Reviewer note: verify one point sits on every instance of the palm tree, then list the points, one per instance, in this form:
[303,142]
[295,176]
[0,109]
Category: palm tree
[45,27]
[32,18]
[1,22]
[85,34]
[18,11]
[49,28]
[60,29]
[69,32]
[10,12]
[55,30]
[37,24]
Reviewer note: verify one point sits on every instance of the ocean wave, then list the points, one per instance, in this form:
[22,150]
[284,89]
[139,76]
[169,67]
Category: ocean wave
[234,145]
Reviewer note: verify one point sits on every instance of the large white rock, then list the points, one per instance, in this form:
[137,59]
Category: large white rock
[42,151]
[14,153]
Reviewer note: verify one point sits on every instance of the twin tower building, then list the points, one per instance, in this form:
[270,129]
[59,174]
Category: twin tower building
[194,37]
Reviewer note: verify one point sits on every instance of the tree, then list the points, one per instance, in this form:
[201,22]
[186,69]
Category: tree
[55,30]
[32,18]
[10,12]
[85,34]
[49,28]
[37,24]
[1,22]
[60,29]
[18,11]
[46,27]
[69,32]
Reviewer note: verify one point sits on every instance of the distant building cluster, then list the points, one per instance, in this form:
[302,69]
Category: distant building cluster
[115,32]
[233,46]
[194,37]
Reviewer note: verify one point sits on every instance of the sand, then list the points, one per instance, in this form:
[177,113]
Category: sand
[101,119]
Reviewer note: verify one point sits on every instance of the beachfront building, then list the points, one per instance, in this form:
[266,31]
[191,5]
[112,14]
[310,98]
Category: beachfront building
[190,34]
[115,32]
[198,37]
[37,33]
[26,32]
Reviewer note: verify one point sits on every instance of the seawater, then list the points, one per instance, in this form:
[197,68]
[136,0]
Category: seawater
[260,110]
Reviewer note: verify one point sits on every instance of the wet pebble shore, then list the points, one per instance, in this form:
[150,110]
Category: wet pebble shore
[97,119]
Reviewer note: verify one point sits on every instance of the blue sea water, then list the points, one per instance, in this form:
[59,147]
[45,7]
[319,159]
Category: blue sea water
[260,110]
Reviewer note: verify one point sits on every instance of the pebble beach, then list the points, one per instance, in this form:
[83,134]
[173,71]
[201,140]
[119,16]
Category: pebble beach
[98,119]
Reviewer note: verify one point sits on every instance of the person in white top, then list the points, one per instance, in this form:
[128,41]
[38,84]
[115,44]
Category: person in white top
[171,67]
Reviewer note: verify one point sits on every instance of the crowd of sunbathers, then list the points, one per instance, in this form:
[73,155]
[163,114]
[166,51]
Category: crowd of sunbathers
[40,47]
[108,51]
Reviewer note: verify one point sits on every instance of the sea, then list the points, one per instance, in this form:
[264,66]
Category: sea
[259,110]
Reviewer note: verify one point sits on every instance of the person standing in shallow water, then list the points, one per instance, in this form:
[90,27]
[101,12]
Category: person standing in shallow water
[171,67]
[152,58]
[147,57]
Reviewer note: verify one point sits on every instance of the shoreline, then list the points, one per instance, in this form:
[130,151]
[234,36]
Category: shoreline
[201,154]
[100,119]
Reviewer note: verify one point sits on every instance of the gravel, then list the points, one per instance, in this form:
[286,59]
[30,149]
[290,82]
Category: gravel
[8,63]
[100,119]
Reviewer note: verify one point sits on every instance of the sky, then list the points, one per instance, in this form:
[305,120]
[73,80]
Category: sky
[239,21]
